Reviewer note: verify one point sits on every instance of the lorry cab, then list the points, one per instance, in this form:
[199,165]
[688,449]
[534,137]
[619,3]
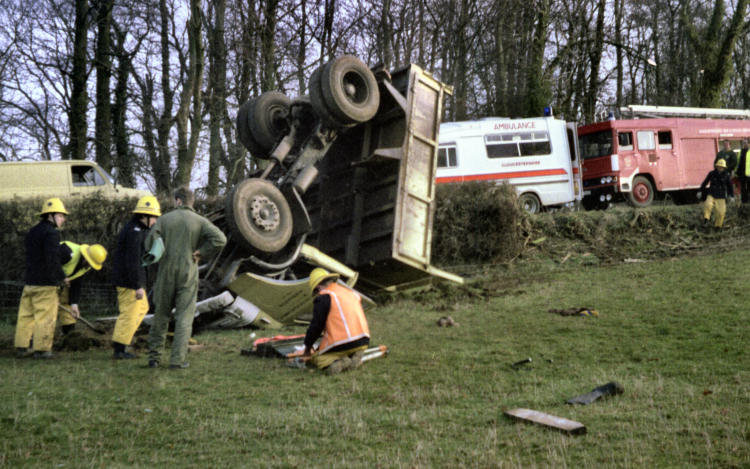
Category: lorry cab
[538,156]
[66,178]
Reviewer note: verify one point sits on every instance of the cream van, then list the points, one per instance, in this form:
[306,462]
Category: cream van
[66,178]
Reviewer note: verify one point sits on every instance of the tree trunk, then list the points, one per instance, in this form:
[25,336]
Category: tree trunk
[103,65]
[187,140]
[538,91]
[160,167]
[123,157]
[268,46]
[79,78]
[595,58]
[218,96]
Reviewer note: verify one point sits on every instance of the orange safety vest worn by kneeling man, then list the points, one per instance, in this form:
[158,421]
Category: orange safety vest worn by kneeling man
[346,322]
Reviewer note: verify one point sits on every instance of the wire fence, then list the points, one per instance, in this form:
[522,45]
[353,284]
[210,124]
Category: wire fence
[97,300]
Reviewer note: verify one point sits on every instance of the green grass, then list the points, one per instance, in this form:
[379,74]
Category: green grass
[674,333]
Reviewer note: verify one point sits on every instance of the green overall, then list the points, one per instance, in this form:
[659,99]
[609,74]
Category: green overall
[183,231]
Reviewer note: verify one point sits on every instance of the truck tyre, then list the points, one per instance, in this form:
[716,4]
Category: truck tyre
[267,119]
[244,134]
[530,203]
[642,193]
[259,216]
[318,102]
[350,90]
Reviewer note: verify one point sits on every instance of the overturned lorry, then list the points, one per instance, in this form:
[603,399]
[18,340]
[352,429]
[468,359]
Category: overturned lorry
[348,183]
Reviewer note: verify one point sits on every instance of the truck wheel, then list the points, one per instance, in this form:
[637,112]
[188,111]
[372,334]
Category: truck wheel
[530,203]
[642,193]
[350,90]
[244,134]
[267,119]
[318,102]
[259,216]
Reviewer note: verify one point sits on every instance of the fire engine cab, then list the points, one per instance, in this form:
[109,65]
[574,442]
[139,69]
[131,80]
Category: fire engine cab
[659,149]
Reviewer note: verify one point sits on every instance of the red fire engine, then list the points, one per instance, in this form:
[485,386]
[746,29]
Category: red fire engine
[660,149]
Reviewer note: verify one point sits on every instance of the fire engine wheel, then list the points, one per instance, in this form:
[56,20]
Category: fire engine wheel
[530,203]
[642,193]
[318,102]
[350,90]
[244,134]
[267,119]
[259,216]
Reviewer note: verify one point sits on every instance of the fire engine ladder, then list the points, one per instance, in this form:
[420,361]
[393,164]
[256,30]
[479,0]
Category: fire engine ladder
[634,111]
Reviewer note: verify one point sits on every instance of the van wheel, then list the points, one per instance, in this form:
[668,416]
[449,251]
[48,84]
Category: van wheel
[349,90]
[642,193]
[259,216]
[530,203]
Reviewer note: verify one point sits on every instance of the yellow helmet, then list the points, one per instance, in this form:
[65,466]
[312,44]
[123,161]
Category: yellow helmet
[148,205]
[53,205]
[319,275]
[720,163]
[94,254]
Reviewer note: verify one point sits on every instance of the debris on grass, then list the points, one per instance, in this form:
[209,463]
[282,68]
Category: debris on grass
[517,365]
[575,312]
[446,321]
[610,389]
[534,416]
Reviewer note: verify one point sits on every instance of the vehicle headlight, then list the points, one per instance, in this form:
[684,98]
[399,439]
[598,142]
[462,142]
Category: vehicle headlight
[603,180]
[609,179]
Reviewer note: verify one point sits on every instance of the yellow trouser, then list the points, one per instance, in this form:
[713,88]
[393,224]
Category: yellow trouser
[325,359]
[37,314]
[64,317]
[721,210]
[132,311]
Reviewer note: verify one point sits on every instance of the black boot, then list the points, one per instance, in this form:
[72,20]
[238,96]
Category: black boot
[120,352]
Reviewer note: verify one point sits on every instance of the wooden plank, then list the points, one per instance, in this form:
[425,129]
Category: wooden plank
[547,420]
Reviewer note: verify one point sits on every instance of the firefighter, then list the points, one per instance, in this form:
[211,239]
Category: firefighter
[77,260]
[188,238]
[729,157]
[719,188]
[129,275]
[339,317]
[37,311]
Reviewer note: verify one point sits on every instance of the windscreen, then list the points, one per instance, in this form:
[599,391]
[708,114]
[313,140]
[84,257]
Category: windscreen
[596,144]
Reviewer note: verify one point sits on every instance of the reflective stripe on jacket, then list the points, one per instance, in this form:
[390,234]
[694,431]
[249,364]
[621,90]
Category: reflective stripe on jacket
[75,258]
[346,320]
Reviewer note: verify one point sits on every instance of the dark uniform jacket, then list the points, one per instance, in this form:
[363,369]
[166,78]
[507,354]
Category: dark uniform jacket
[127,271]
[43,266]
[720,184]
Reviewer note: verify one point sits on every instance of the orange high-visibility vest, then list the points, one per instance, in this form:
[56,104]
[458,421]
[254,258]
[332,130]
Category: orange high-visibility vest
[346,320]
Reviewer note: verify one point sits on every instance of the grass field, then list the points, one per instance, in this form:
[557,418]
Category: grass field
[673,332]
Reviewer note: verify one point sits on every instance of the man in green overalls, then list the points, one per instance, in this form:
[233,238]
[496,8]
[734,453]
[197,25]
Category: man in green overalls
[188,238]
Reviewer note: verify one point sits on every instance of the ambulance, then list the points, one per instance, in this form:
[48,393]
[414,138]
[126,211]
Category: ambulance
[538,156]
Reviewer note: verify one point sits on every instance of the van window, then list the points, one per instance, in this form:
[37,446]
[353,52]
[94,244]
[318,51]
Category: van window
[665,140]
[447,157]
[86,176]
[646,140]
[625,140]
[517,144]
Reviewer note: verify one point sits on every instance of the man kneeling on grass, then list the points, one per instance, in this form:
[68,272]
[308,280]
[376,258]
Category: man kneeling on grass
[338,315]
